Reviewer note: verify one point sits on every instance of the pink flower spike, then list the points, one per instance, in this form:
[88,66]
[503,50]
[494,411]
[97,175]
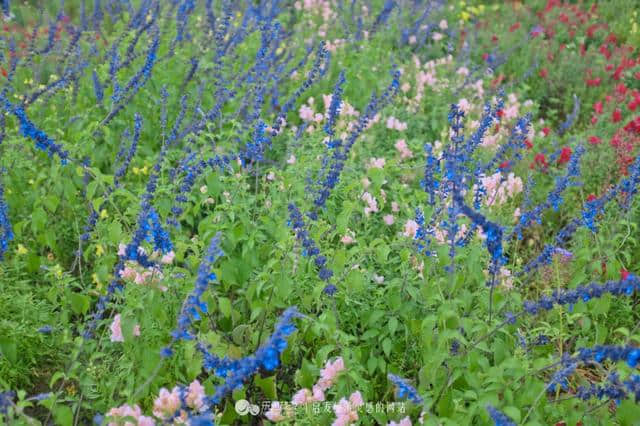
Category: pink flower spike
[356,399]
[168,258]
[116,330]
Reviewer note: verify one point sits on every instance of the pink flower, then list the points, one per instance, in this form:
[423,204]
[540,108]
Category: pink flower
[365,182]
[394,207]
[275,412]
[437,36]
[403,149]
[116,330]
[329,373]
[443,25]
[128,273]
[122,248]
[405,87]
[119,413]
[301,397]
[195,396]
[464,71]
[356,399]
[413,39]
[388,219]
[410,229]
[167,403]
[347,239]
[168,258]
[372,204]
[292,159]
[376,163]
[136,330]
[404,422]
[271,176]
[318,393]
[464,105]
[306,113]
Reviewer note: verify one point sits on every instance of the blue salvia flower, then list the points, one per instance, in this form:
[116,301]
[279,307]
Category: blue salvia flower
[598,354]
[97,87]
[160,237]
[340,152]
[334,106]
[571,118]
[122,170]
[623,287]
[6,231]
[613,389]
[499,418]
[29,130]
[267,357]
[309,246]
[430,184]
[554,198]
[404,389]
[588,215]
[194,304]
[6,397]
[383,16]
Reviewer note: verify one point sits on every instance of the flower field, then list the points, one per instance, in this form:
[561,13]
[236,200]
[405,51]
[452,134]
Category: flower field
[319,212]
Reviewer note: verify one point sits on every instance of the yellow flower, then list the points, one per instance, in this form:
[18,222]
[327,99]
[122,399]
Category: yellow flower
[136,171]
[96,280]
[58,271]
[145,170]
[104,214]
[21,249]
[99,250]
[464,15]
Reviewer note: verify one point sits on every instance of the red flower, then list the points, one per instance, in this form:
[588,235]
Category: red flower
[616,116]
[604,267]
[504,165]
[611,38]
[637,75]
[565,155]
[633,126]
[594,140]
[514,27]
[528,144]
[540,161]
[4,72]
[594,82]
[591,197]
[609,67]
[546,131]
[485,56]
[594,119]
[618,73]
[494,38]
[597,107]
[544,73]
[621,89]
[583,49]
[500,113]
[605,52]
[624,274]
[608,98]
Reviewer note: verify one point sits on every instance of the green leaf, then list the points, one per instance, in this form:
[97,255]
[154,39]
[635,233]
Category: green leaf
[224,305]
[268,386]
[79,303]
[63,415]
[9,349]
[386,346]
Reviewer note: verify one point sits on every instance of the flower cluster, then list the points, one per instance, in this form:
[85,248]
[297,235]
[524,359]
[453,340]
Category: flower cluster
[404,389]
